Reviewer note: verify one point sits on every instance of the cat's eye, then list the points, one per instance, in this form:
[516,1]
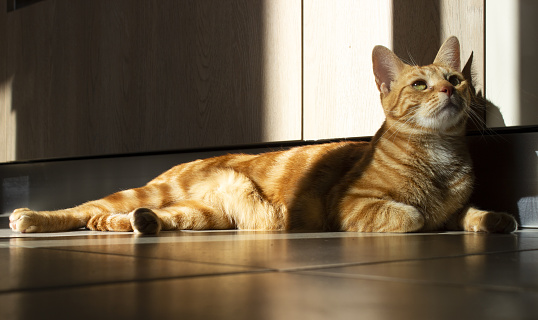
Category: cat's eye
[420,85]
[454,80]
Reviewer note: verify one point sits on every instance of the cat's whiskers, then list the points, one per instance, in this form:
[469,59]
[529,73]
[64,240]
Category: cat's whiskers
[409,61]
[413,62]
[494,115]
[389,129]
[485,130]
[476,120]
[396,130]
[479,122]
[401,125]
[406,123]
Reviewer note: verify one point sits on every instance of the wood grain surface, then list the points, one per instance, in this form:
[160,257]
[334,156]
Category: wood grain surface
[340,96]
[82,78]
[106,77]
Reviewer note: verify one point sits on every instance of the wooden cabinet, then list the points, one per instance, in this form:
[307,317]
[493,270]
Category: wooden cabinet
[511,53]
[97,77]
[340,95]
[94,77]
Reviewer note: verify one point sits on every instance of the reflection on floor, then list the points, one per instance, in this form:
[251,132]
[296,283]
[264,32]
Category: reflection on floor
[268,275]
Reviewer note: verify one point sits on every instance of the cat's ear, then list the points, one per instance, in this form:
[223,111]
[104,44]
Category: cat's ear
[449,54]
[387,67]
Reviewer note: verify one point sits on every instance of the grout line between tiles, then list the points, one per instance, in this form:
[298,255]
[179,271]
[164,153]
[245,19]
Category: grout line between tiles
[355,264]
[501,288]
[133,281]
[158,258]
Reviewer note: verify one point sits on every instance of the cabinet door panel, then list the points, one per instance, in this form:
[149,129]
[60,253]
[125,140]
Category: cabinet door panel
[340,96]
[108,77]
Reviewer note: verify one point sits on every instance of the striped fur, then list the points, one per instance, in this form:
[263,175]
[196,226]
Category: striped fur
[415,174]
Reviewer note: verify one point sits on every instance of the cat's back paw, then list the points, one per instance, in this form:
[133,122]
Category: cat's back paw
[25,220]
[145,221]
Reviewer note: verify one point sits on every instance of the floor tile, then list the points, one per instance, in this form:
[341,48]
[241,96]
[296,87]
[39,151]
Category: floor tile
[288,251]
[31,268]
[513,271]
[269,296]
[268,275]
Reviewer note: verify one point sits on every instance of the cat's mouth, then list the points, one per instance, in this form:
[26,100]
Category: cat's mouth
[451,107]
[448,113]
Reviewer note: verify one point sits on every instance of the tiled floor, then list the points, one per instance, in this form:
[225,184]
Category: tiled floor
[268,275]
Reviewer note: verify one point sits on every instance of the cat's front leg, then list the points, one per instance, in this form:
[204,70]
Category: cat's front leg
[378,215]
[472,219]
[26,221]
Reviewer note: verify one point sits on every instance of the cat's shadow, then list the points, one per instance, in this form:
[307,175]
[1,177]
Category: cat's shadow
[481,107]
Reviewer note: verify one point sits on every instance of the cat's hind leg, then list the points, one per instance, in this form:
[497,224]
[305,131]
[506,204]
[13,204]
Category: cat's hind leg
[25,220]
[28,221]
[107,214]
[110,222]
[378,215]
[142,220]
[182,215]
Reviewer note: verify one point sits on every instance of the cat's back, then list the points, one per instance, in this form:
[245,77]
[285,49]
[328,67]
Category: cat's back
[315,168]
[312,168]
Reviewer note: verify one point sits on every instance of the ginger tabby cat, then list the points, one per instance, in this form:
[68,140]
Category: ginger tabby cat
[414,175]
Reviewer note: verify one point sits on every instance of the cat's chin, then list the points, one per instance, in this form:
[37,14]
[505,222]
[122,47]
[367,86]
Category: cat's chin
[451,109]
[445,118]
[444,121]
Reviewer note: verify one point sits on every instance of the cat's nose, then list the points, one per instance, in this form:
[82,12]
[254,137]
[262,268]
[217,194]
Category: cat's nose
[446,89]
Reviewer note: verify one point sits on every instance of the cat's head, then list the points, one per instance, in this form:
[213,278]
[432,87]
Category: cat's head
[433,98]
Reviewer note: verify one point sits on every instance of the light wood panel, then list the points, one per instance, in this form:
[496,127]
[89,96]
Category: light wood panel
[512,64]
[465,19]
[103,77]
[340,96]
[106,77]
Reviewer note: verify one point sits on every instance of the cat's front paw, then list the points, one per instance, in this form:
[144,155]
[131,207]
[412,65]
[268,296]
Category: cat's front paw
[491,222]
[407,218]
[25,220]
